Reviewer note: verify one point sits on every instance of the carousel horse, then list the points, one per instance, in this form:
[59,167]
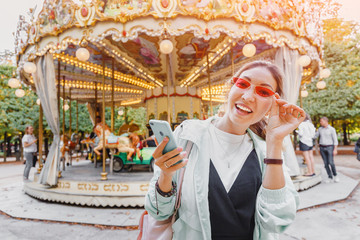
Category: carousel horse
[90,144]
[122,144]
[67,145]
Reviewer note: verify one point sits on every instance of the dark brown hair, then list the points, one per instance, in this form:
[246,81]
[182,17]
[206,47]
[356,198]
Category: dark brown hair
[259,127]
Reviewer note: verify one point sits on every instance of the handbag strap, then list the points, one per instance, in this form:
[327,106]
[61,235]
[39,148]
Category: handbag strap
[188,148]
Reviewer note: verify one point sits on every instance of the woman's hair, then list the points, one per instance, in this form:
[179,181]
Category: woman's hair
[259,127]
[27,128]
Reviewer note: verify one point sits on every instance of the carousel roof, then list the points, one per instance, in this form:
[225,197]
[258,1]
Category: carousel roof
[123,38]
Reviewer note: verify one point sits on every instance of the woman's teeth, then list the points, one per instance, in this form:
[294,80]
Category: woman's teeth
[243,108]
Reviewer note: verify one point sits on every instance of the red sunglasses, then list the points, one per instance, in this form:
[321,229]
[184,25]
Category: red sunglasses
[244,84]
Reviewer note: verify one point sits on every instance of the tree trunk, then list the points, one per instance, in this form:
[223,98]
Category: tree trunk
[346,141]
[46,147]
[5,146]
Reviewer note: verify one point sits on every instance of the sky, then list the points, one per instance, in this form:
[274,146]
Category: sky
[9,16]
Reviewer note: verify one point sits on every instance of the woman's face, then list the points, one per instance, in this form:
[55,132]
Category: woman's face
[30,130]
[245,105]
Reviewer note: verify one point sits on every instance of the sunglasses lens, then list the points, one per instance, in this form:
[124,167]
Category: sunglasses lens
[241,83]
[264,92]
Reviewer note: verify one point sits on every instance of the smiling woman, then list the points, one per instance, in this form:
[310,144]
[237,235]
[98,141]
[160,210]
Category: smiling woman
[234,186]
[267,79]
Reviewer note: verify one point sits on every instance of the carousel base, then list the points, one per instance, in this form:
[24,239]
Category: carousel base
[81,184]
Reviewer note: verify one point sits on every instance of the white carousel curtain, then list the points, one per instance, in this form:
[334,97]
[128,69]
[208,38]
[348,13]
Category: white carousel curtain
[44,79]
[286,59]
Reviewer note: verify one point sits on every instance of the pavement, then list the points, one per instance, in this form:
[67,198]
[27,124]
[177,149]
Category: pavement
[327,211]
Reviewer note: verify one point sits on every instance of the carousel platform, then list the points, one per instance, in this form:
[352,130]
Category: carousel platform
[81,184]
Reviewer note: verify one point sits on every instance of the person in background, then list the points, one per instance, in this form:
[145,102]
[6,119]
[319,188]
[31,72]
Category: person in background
[328,148]
[30,148]
[357,149]
[307,134]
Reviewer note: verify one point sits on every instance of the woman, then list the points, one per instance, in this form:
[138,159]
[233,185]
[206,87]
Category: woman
[228,192]
[306,136]
[29,145]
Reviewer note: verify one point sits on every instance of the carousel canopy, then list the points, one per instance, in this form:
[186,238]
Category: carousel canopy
[127,40]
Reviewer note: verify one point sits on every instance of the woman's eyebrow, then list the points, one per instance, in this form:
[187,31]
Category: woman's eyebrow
[262,84]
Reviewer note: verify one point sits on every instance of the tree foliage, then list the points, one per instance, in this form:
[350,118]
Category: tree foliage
[339,101]
[15,113]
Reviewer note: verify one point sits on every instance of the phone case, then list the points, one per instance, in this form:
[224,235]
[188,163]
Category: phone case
[162,129]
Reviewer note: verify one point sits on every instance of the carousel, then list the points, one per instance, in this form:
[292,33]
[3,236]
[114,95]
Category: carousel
[172,57]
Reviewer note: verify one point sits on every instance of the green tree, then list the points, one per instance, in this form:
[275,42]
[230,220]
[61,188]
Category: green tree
[15,113]
[339,101]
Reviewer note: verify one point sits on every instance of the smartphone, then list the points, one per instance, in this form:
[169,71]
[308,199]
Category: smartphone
[162,129]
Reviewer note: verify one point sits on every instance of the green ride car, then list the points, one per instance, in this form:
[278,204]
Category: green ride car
[121,161]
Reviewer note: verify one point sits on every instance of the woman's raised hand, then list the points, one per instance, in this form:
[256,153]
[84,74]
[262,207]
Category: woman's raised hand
[166,162]
[283,119]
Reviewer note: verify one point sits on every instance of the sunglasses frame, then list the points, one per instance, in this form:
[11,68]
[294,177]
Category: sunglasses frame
[257,88]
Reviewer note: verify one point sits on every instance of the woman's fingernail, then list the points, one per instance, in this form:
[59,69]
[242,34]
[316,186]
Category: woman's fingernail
[179,149]
[183,154]
[166,139]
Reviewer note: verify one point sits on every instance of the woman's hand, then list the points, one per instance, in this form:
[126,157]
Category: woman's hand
[284,118]
[166,164]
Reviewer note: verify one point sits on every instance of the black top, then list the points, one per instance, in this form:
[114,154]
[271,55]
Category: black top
[232,213]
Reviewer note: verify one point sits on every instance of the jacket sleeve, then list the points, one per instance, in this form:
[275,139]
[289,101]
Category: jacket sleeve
[159,207]
[275,209]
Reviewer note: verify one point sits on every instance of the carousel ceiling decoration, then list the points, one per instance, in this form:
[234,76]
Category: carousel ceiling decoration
[123,39]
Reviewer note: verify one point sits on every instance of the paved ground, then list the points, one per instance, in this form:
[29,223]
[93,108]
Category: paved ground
[334,221]
[339,220]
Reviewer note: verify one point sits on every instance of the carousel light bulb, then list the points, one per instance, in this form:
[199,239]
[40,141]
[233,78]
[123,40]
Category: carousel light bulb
[304,60]
[20,93]
[14,83]
[249,50]
[325,73]
[66,107]
[30,67]
[38,101]
[304,93]
[321,84]
[166,46]
[82,54]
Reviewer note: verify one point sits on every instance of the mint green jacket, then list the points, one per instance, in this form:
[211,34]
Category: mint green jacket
[275,209]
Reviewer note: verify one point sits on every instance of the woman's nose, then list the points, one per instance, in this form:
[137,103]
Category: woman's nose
[249,94]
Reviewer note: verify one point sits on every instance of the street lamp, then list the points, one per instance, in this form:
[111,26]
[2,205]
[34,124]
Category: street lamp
[66,107]
[14,83]
[321,84]
[20,93]
[304,93]
[325,73]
